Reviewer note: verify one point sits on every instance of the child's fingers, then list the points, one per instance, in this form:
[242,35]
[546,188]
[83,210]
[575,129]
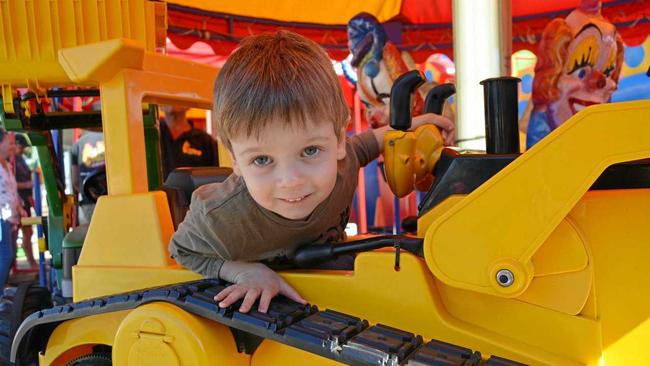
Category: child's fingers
[265,300]
[443,122]
[225,292]
[236,294]
[289,292]
[249,300]
[448,137]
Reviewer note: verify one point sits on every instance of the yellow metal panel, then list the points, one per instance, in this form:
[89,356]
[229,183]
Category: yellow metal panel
[410,299]
[532,194]
[123,135]
[32,32]
[162,334]
[426,219]
[96,281]
[331,12]
[98,329]
[274,353]
[615,224]
[563,251]
[129,230]
[108,58]
[565,292]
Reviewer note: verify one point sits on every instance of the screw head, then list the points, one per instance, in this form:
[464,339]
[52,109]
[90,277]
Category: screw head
[505,278]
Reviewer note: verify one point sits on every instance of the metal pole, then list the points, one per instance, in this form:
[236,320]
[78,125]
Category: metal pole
[38,209]
[361,187]
[482,50]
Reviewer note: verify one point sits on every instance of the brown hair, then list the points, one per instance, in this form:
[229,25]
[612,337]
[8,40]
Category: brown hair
[281,76]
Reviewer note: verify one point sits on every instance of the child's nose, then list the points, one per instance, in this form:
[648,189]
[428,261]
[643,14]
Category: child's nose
[290,176]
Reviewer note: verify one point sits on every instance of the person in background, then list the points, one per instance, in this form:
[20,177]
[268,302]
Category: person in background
[25,185]
[181,144]
[10,209]
[87,159]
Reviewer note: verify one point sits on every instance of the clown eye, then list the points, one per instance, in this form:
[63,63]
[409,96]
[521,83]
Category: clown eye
[580,66]
[608,70]
[582,73]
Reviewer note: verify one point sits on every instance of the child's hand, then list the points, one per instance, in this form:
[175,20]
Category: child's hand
[447,126]
[253,281]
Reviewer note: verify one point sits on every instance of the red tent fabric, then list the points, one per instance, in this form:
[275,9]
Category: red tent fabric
[423,26]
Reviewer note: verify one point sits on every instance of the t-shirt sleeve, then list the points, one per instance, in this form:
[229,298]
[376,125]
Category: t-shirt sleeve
[196,245]
[364,146]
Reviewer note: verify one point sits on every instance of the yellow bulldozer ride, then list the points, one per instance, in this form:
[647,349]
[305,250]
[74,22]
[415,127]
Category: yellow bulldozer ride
[538,258]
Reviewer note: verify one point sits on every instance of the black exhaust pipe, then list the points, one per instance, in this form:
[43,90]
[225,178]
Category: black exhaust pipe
[501,117]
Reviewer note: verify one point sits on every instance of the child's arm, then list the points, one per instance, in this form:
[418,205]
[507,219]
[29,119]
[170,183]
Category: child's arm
[446,125]
[250,282]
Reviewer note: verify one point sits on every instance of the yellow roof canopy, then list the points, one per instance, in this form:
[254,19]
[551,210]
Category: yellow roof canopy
[321,12]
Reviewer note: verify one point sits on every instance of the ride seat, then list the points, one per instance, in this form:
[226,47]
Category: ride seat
[181,182]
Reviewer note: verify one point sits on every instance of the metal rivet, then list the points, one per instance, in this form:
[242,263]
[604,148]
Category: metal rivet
[505,278]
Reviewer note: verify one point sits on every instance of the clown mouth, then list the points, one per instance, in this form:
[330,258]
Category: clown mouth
[579,104]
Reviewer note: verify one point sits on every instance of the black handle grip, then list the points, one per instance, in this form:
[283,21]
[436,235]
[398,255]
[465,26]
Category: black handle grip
[436,97]
[310,254]
[400,99]
[314,253]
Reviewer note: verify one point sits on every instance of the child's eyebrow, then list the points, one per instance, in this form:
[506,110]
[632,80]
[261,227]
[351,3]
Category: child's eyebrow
[316,138]
[250,150]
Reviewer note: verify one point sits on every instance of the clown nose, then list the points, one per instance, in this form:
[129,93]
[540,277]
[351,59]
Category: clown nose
[597,80]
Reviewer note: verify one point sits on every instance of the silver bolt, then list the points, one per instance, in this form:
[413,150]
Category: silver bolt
[505,278]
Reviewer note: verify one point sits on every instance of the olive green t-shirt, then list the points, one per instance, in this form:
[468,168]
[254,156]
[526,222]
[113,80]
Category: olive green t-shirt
[225,223]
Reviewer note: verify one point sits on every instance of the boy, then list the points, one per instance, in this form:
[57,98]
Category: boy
[280,112]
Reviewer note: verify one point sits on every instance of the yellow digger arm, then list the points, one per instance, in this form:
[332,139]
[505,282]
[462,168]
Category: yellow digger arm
[486,242]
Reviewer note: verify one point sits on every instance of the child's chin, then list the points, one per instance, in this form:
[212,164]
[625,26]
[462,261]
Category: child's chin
[296,214]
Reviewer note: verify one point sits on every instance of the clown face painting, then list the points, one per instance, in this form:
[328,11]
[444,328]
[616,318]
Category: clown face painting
[578,65]
[378,64]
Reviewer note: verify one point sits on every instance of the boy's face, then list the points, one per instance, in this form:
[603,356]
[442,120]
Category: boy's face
[289,170]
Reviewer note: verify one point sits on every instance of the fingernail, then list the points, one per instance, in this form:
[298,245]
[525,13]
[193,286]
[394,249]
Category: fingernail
[222,305]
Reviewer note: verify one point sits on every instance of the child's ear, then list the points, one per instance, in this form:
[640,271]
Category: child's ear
[340,147]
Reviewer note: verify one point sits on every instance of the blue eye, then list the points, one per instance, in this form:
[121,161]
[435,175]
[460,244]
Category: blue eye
[582,73]
[262,160]
[311,151]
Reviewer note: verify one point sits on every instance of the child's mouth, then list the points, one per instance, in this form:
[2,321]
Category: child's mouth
[295,199]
